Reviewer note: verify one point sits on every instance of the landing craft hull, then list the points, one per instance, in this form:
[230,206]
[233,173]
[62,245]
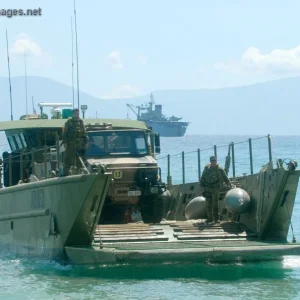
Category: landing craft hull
[39,219]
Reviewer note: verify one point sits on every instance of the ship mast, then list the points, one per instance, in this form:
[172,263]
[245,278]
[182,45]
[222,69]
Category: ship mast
[152,102]
[152,98]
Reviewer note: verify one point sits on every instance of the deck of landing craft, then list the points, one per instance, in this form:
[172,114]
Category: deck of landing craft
[171,232]
[175,241]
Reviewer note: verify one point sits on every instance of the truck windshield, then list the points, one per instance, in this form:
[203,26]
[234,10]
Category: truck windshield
[117,143]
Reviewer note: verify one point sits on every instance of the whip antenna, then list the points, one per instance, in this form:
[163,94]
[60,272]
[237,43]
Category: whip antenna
[11,112]
[25,82]
[72,61]
[76,54]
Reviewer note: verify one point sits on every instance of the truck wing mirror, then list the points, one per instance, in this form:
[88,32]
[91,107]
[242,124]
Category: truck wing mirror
[157,142]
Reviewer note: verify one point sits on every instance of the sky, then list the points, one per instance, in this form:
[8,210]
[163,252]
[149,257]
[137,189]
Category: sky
[130,48]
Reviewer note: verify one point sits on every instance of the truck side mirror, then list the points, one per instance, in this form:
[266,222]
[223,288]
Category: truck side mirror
[157,143]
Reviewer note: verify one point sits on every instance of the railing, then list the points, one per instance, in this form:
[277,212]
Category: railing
[177,168]
[187,166]
[49,160]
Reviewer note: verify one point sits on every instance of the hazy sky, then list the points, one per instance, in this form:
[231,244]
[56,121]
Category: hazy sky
[131,47]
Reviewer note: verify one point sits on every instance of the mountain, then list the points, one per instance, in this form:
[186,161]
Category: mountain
[270,107]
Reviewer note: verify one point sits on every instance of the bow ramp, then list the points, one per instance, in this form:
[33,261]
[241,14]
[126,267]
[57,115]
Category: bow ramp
[177,241]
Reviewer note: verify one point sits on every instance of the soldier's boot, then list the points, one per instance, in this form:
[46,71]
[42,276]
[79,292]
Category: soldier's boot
[216,217]
[217,220]
[215,206]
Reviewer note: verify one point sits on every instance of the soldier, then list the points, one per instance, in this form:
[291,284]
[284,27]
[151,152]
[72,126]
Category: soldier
[75,140]
[212,178]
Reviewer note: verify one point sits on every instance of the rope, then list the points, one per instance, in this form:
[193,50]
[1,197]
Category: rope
[227,161]
[261,182]
[294,238]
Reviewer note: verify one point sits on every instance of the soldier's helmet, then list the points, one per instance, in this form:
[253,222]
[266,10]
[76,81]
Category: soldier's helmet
[212,158]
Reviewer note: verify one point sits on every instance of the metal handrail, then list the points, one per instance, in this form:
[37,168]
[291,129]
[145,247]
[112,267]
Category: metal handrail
[231,146]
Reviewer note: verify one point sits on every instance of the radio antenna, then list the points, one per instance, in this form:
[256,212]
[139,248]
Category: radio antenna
[76,54]
[33,108]
[25,82]
[72,61]
[11,112]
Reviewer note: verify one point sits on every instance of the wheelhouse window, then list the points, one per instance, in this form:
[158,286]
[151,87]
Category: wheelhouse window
[12,143]
[117,143]
[23,140]
[18,140]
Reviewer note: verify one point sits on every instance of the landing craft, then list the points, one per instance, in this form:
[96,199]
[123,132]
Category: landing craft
[81,218]
[42,213]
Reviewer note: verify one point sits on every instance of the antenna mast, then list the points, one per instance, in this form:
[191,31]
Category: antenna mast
[152,98]
[11,113]
[25,82]
[76,55]
[33,108]
[72,61]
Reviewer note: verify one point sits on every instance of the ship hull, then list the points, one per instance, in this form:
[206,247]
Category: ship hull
[39,219]
[168,129]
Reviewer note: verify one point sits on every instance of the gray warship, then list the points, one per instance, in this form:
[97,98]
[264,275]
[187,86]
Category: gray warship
[84,218]
[165,126]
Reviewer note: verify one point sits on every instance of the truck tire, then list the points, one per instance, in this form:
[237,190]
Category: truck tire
[151,209]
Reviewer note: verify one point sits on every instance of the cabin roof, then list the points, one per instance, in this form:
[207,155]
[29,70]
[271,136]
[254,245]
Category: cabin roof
[59,123]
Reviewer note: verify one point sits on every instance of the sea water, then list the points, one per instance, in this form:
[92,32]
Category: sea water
[34,279]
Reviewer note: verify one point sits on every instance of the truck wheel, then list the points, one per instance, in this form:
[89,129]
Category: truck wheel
[151,209]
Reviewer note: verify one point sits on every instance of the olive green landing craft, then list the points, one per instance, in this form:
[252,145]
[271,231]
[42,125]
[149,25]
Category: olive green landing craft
[77,219]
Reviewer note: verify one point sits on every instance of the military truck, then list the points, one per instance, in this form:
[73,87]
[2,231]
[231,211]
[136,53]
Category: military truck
[127,149]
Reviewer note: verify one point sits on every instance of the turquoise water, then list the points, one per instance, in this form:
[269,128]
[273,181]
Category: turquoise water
[30,279]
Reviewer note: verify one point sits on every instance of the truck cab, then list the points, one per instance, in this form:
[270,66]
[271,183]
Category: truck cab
[129,154]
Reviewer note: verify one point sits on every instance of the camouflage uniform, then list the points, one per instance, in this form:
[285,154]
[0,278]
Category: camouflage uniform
[75,140]
[210,182]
